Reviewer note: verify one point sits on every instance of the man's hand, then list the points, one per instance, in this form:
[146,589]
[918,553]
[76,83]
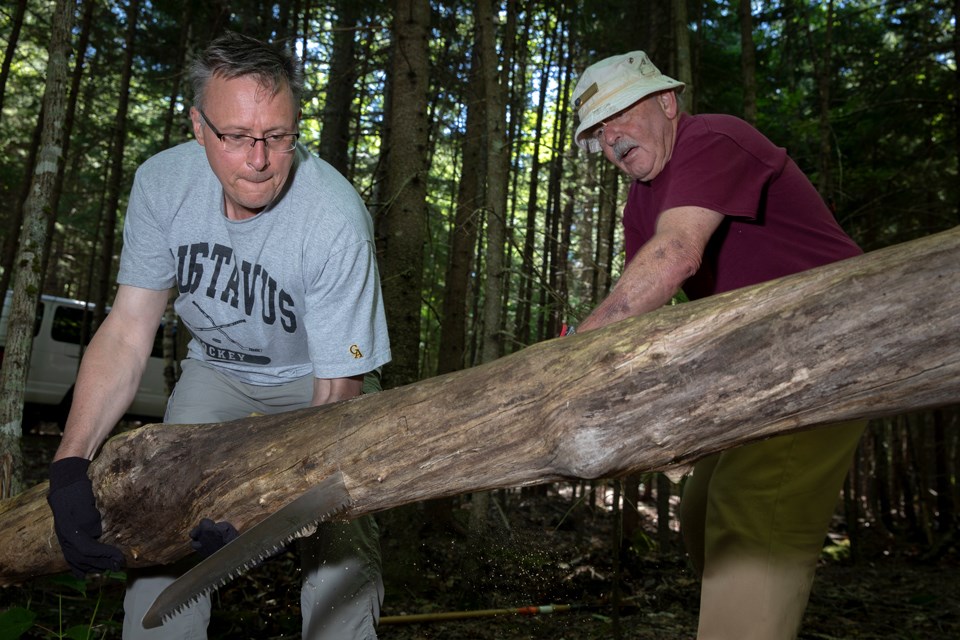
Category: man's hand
[208,537]
[77,521]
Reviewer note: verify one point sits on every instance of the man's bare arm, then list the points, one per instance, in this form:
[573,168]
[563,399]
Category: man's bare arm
[660,267]
[326,390]
[112,367]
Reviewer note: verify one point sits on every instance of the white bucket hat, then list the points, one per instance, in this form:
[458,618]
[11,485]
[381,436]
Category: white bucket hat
[612,85]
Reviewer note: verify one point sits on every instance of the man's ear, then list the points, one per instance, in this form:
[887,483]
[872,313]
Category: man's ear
[668,102]
[198,127]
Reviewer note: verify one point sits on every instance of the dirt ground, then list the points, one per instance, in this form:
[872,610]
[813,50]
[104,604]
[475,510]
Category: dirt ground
[541,550]
[891,596]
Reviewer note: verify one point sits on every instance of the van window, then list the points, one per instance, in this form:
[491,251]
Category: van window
[67,323]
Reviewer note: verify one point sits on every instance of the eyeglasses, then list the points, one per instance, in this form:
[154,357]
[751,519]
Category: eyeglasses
[598,133]
[240,143]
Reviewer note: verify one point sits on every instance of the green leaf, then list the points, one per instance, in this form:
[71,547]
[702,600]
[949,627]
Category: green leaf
[14,622]
[71,581]
[78,632]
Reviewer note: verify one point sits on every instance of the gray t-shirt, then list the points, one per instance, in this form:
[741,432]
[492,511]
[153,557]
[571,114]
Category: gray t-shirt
[292,291]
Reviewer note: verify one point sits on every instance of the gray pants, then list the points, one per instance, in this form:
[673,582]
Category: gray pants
[342,587]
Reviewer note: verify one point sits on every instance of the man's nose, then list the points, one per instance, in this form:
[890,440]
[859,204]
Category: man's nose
[257,154]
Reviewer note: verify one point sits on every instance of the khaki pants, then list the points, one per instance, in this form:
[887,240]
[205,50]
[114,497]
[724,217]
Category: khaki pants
[754,520]
[342,588]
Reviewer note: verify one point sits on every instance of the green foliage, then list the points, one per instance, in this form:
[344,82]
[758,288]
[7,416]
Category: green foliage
[891,119]
[837,552]
[14,622]
[89,607]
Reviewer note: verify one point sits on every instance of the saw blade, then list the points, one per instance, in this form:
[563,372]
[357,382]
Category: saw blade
[297,519]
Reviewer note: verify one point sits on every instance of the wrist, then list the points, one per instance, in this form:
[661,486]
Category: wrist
[66,471]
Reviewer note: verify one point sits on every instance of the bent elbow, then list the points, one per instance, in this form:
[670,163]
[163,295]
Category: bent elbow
[685,263]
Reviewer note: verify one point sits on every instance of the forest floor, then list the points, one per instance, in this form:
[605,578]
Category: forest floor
[541,550]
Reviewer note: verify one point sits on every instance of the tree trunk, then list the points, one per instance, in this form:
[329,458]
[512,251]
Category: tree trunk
[69,117]
[16,23]
[116,169]
[748,61]
[956,96]
[171,365]
[11,243]
[406,189]
[26,287]
[607,223]
[681,31]
[497,155]
[335,133]
[942,475]
[548,318]
[497,164]
[823,65]
[528,275]
[179,66]
[463,236]
[867,337]
[563,201]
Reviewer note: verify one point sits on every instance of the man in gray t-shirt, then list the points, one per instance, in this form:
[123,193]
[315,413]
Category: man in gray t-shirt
[271,252]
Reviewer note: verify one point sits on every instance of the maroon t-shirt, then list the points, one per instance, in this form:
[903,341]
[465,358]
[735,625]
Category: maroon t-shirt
[776,223]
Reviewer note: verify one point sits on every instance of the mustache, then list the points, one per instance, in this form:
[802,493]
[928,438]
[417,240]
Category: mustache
[621,147]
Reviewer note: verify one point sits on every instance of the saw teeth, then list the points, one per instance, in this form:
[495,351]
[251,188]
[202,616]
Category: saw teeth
[183,607]
[281,536]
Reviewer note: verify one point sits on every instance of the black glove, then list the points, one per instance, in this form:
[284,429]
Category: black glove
[208,537]
[77,521]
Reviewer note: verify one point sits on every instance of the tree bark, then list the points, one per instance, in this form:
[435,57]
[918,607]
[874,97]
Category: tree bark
[105,275]
[404,223]
[26,288]
[69,117]
[497,163]
[528,275]
[16,23]
[681,30]
[452,349]
[871,336]
[748,61]
[823,70]
[337,110]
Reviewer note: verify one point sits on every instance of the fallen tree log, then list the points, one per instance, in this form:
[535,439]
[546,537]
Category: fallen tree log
[872,336]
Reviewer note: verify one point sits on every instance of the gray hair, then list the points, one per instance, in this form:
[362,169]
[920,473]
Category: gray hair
[235,55]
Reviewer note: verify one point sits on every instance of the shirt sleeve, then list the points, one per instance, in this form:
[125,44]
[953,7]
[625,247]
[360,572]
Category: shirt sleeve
[346,324]
[716,171]
[145,259]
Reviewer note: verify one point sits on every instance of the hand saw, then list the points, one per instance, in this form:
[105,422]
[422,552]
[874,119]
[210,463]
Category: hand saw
[296,520]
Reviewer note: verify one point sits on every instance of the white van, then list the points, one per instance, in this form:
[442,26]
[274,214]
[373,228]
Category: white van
[56,357]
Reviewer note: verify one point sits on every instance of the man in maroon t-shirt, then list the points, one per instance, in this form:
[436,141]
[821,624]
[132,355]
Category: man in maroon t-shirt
[715,206]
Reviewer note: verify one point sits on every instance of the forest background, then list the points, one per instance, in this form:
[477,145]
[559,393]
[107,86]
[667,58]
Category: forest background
[453,121]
